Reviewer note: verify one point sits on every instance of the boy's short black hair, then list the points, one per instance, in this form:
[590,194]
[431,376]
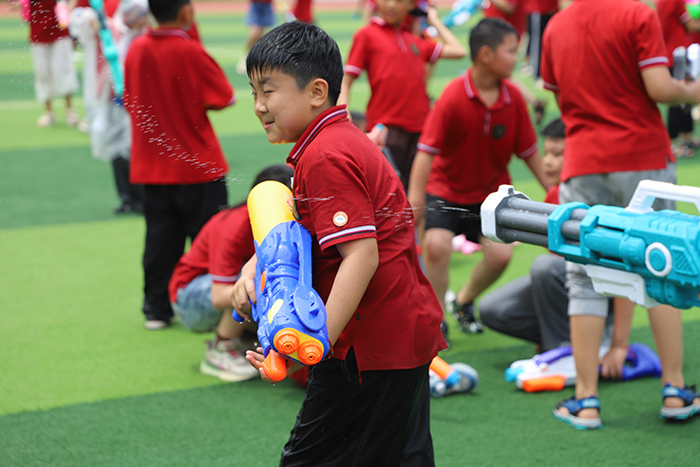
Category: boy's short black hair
[302,51]
[554,129]
[281,173]
[165,11]
[489,32]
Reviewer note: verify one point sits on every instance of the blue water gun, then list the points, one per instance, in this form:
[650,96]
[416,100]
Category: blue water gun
[290,314]
[650,257]
[461,12]
[109,50]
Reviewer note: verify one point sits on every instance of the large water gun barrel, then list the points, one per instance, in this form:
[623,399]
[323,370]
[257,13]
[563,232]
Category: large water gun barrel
[291,316]
[650,257]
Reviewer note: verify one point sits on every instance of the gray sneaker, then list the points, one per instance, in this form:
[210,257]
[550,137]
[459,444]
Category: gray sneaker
[227,362]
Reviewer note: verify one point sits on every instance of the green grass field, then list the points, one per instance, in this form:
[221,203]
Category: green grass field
[83,384]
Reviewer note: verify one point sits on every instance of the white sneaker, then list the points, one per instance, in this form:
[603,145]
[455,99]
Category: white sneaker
[156,324]
[226,361]
[72,117]
[46,120]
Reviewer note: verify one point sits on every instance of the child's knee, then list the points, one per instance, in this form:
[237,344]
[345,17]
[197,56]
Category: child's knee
[437,246]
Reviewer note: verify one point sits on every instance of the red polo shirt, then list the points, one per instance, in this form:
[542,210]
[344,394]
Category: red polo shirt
[541,6]
[346,190]
[169,84]
[612,124]
[43,24]
[516,19]
[673,16]
[395,62]
[472,143]
[221,248]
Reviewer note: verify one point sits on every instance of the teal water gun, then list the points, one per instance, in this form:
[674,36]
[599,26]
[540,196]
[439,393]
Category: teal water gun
[651,257]
[461,12]
[109,50]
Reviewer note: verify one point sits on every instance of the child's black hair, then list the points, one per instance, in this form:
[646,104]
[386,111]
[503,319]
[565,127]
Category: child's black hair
[302,51]
[166,11]
[281,173]
[489,32]
[554,129]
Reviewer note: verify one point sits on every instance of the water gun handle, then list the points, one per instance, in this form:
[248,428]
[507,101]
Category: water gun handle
[445,371]
[275,366]
[649,191]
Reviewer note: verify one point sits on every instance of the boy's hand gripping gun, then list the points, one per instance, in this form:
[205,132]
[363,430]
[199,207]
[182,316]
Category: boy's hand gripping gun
[554,369]
[291,316]
[650,257]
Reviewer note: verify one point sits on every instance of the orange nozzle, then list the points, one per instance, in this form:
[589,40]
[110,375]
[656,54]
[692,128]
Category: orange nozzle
[286,342]
[310,353]
[551,383]
[275,366]
[441,367]
[263,279]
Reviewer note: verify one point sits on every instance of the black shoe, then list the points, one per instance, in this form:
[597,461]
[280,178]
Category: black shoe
[126,208]
[464,314]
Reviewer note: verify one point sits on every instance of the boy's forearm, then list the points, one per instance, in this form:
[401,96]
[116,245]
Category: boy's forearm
[622,319]
[221,296]
[344,98]
[420,171]
[505,6]
[534,162]
[661,87]
[452,48]
[360,260]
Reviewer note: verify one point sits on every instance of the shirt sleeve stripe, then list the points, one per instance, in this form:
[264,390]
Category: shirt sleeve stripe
[527,153]
[347,232]
[685,17]
[352,70]
[428,149]
[225,279]
[436,52]
[653,61]
[551,87]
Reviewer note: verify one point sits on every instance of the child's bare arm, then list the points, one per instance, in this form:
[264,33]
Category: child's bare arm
[504,6]
[243,291]
[221,296]
[360,260]
[534,163]
[451,47]
[416,186]
[345,86]
[663,88]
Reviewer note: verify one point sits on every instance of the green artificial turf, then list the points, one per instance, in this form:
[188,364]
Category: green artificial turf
[83,384]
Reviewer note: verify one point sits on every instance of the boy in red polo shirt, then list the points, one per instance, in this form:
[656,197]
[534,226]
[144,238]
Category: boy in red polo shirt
[615,137]
[174,152]
[395,60]
[363,404]
[677,25]
[54,71]
[478,123]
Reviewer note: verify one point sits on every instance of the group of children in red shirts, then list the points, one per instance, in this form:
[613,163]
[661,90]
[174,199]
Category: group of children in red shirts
[369,403]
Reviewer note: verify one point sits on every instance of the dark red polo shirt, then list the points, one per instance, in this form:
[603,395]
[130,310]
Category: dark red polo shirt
[346,190]
[673,16]
[395,61]
[472,143]
[516,19]
[541,6]
[169,84]
[612,124]
[221,248]
[43,24]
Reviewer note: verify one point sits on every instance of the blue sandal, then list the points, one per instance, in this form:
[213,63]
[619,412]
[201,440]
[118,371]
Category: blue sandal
[575,406]
[688,395]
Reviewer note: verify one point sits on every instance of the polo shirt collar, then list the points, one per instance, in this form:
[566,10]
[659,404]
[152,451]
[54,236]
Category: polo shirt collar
[330,116]
[378,21]
[473,93]
[163,32]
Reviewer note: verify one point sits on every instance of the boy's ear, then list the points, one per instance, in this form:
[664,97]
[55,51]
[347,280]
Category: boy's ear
[484,55]
[318,89]
[186,14]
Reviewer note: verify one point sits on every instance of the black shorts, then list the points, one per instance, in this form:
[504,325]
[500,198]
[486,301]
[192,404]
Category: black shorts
[459,218]
[382,420]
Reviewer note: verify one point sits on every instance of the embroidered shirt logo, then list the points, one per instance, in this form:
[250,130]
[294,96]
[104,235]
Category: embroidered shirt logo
[414,48]
[340,219]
